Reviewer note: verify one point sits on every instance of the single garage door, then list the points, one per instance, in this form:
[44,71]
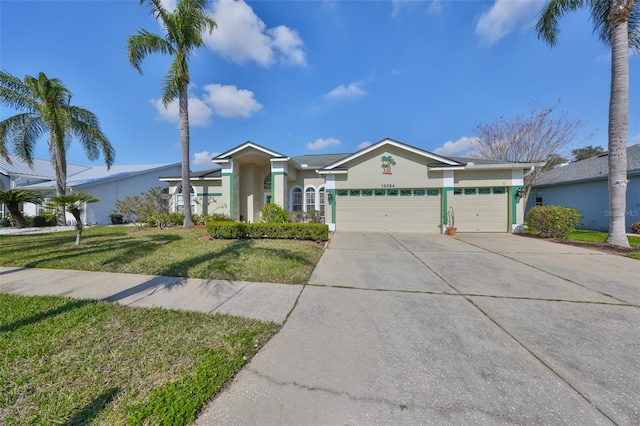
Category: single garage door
[481,209]
[388,210]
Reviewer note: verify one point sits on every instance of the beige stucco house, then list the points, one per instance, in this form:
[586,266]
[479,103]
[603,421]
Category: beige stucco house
[386,187]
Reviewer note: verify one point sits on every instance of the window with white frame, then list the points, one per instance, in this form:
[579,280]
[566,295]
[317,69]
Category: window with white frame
[180,200]
[296,199]
[321,203]
[310,199]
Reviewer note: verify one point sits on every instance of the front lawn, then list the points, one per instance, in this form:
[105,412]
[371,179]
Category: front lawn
[73,362]
[176,252]
[600,237]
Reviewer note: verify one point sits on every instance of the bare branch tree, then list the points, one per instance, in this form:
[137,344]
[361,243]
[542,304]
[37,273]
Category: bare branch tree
[539,136]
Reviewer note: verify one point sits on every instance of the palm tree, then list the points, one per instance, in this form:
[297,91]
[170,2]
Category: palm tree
[73,203]
[184,28]
[46,109]
[12,198]
[617,23]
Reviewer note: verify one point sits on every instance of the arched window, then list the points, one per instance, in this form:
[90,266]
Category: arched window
[296,199]
[267,182]
[309,199]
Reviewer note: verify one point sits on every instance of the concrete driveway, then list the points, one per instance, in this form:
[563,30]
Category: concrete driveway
[431,329]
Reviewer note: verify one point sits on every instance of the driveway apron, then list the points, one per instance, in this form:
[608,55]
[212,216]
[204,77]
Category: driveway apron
[430,329]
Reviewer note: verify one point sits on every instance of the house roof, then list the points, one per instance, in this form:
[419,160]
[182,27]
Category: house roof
[210,174]
[248,144]
[40,168]
[388,141]
[315,161]
[593,168]
[97,175]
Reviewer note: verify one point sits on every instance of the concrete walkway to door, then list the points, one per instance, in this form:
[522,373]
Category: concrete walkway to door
[430,329]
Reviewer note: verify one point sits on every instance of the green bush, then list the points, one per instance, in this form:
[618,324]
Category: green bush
[6,221]
[203,219]
[552,221]
[298,231]
[273,213]
[41,221]
[635,228]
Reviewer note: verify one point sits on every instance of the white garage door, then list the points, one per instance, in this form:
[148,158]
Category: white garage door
[388,210]
[481,209]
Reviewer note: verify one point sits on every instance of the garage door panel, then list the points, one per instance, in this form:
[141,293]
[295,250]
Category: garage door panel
[388,214]
[481,212]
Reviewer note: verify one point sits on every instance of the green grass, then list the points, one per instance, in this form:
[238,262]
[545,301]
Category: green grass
[175,252]
[600,237]
[72,362]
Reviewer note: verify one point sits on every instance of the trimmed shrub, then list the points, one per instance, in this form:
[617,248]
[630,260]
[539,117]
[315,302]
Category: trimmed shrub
[41,221]
[273,213]
[635,228]
[297,231]
[552,221]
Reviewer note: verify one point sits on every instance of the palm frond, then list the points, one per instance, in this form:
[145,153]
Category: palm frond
[22,131]
[15,94]
[547,26]
[86,127]
[176,80]
[143,43]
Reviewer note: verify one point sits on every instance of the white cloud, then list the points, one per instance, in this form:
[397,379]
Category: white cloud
[353,90]
[322,143]
[463,147]
[203,159]
[241,36]
[229,101]
[223,101]
[199,113]
[503,18]
[363,145]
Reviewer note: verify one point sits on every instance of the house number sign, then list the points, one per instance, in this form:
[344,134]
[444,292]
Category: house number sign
[388,185]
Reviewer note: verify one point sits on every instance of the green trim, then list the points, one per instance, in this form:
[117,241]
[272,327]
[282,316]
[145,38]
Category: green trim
[209,194]
[333,204]
[230,176]
[445,207]
[514,204]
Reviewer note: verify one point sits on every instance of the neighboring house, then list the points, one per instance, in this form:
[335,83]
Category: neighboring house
[584,186]
[386,187]
[118,182]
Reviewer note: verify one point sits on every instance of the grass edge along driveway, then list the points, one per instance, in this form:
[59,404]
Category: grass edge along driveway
[176,253]
[69,361]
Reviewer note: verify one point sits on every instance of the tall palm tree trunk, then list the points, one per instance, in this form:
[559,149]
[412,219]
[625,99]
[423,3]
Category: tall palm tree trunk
[60,163]
[184,145]
[618,132]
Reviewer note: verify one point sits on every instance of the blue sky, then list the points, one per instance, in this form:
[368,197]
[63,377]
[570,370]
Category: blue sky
[304,77]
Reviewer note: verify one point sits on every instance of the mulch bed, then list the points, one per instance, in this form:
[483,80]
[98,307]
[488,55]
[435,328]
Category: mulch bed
[607,248]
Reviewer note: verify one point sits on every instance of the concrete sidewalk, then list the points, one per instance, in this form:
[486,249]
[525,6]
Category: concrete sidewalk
[264,301]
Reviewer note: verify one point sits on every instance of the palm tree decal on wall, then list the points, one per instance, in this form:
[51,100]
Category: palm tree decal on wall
[387,162]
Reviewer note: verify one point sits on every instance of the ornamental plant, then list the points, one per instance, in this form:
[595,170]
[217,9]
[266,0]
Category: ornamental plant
[553,221]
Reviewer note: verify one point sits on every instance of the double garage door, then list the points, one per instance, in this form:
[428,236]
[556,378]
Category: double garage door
[420,210]
[389,210]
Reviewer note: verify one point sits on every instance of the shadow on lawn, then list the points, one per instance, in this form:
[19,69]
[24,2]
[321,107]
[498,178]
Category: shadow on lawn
[126,250]
[93,408]
[44,315]
[218,262]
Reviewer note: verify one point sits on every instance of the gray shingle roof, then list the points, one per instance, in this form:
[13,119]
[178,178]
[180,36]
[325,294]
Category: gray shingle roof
[590,169]
[318,160]
[40,168]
